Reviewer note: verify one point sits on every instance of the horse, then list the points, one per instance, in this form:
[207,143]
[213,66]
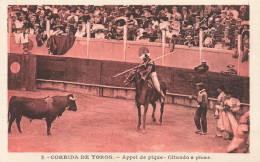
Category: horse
[145,95]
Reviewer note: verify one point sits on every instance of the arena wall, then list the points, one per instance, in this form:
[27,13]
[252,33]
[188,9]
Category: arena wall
[178,80]
[95,77]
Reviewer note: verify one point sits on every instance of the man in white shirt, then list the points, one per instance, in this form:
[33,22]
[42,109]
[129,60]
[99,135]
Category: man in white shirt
[80,33]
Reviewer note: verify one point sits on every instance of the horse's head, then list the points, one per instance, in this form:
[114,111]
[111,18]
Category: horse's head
[132,76]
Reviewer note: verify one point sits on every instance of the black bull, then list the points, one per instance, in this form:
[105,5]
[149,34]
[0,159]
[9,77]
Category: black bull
[39,108]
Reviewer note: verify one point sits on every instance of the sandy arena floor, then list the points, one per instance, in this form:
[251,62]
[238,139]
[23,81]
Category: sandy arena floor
[109,125]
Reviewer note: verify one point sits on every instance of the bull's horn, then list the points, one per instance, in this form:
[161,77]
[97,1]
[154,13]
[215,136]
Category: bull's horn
[71,98]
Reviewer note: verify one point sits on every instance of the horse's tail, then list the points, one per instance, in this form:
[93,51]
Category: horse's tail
[10,107]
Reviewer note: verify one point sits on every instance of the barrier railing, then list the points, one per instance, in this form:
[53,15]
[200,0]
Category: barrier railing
[172,98]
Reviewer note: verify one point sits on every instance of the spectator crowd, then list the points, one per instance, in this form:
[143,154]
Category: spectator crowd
[221,25]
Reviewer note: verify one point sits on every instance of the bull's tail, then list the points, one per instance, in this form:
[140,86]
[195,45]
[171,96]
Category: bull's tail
[10,106]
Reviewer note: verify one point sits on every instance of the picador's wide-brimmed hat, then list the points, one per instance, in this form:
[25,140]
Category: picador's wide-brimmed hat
[200,84]
[142,52]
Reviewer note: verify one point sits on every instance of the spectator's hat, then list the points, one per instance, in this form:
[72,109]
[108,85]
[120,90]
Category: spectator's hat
[47,7]
[224,12]
[189,27]
[33,17]
[216,10]
[239,20]
[73,10]
[23,17]
[96,6]
[123,8]
[58,26]
[16,8]
[227,27]
[211,18]
[142,52]
[119,29]
[63,8]
[245,33]
[189,37]
[153,8]
[85,18]
[80,21]
[121,21]
[207,13]
[200,84]
[164,18]
[227,20]
[237,30]
[99,30]
[245,23]
[25,9]
[196,37]
[217,19]
[151,16]
[141,30]
[132,13]
[142,16]
[146,35]
[26,25]
[213,29]
[184,8]
[145,8]
[242,8]
[40,7]
[174,35]
[130,23]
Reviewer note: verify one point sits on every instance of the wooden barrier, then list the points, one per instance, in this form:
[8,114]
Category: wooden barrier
[21,72]
[178,80]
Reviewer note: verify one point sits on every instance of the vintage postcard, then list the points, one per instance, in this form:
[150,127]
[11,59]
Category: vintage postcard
[124,81]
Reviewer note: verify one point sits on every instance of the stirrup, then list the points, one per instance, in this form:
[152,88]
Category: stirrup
[162,98]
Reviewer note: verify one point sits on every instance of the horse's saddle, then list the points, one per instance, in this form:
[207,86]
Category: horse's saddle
[150,83]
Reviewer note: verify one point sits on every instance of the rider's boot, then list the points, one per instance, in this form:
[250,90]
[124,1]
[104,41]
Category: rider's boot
[162,96]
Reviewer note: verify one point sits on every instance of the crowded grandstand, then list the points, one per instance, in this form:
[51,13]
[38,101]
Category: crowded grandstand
[221,25]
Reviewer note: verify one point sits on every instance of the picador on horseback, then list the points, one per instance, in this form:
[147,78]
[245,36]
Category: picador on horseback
[148,88]
[149,71]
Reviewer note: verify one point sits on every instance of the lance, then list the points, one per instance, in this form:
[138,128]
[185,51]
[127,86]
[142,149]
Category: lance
[141,65]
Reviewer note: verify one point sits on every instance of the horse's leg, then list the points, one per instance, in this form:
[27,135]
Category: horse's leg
[139,116]
[18,121]
[154,108]
[162,107]
[144,115]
